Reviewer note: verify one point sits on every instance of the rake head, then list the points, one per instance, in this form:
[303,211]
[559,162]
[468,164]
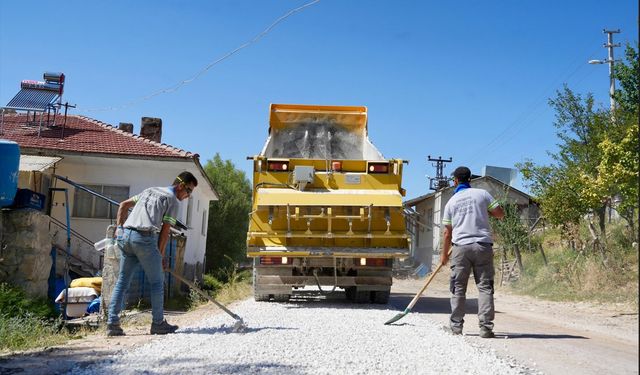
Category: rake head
[239,326]
[397,317]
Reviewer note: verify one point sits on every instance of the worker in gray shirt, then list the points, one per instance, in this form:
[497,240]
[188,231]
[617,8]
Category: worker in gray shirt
[142,237]
[467,228]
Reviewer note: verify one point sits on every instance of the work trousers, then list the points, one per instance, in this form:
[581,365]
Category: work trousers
[476,257]
[138,248]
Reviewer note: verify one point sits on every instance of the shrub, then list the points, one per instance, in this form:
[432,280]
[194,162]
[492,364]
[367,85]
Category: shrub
[211,283]
[15,302]
[584,274]
[26,322]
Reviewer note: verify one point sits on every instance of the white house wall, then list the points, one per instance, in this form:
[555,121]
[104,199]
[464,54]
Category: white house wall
[138,175]
[423,251]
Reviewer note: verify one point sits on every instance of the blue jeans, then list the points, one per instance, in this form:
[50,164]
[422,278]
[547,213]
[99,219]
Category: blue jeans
[139,248]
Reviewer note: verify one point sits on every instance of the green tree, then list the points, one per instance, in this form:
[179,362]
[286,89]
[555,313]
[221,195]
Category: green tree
[628,74]
[510,231]
[555,188]
[561,188]
[618,173]
[597,158]
[228,217]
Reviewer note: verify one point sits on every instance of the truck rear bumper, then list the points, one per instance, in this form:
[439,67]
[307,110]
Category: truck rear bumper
[342,281]
[356,252]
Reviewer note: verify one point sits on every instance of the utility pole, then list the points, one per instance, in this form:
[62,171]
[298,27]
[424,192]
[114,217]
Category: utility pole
[610,60]
[440,181]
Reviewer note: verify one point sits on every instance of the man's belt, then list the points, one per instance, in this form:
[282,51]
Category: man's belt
[147,232]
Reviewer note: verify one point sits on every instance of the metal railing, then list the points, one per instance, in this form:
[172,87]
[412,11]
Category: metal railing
[179,224]
[73,232]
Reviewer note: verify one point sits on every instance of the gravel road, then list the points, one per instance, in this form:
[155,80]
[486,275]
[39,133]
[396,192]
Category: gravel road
[309,336]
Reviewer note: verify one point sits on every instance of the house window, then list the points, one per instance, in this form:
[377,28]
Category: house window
[429,217]
[88,205]
[204,223]
[189,212]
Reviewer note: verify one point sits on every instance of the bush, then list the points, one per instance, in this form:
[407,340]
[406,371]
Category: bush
[27,331]
[26,322]
[211,283]
[583,274]
[14,302]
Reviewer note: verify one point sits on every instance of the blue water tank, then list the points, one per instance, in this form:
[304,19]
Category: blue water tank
[9,164]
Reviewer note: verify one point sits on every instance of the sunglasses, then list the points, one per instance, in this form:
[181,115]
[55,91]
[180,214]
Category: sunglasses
[188,189]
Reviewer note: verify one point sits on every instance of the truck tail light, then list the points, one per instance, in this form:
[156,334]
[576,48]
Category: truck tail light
[274,261]
[373,262]
[278,166]
[378,168]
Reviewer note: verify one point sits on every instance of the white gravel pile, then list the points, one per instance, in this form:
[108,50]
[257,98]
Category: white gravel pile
[309,338]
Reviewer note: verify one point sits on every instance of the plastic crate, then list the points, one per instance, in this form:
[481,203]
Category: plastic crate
[26,198]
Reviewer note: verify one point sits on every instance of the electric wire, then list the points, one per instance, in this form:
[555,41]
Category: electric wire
[200,73]
[531,113]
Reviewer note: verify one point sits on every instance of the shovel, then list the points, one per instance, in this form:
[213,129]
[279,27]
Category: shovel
[239,325]
[415,299]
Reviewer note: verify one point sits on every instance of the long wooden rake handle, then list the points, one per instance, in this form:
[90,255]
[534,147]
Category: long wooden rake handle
[205,295]
[417,297]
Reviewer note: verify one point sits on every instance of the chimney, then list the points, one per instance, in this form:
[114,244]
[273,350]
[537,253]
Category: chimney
[151,129]
[126,127]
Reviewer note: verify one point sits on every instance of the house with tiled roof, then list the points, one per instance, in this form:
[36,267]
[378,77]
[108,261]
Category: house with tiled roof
[426,224]
[114,162]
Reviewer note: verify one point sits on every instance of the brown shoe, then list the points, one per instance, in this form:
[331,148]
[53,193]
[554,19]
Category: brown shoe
[114,330]
[452,330]
[162,328]
[486,333]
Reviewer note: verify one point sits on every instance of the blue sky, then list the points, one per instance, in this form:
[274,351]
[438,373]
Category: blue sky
[468,80]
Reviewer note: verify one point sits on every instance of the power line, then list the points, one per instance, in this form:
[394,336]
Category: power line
[178,85]
[526,117]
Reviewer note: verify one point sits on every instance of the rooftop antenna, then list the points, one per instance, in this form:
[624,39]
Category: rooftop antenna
[440,181]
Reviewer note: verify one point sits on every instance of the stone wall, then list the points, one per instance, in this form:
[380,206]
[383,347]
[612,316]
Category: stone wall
[25,249]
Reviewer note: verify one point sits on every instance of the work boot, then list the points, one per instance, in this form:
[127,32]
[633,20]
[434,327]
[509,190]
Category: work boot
[456,331]
[486,333]
[114,329]
[162,328]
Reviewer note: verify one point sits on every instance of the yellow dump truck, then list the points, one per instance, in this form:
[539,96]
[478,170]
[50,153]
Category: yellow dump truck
[327,206]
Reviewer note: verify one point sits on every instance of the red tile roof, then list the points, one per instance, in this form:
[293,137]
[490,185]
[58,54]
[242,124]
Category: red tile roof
[85,135]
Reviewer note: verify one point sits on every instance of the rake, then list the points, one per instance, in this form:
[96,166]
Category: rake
[239,325]
[415,299]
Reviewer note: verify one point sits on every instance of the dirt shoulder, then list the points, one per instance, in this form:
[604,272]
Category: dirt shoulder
[95,346]
[553,337]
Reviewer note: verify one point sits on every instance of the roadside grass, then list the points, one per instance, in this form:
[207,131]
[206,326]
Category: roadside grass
[27,323]
[582,275]
[225,286]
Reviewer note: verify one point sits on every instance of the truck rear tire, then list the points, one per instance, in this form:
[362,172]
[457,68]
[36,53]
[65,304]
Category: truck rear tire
[363,296]
[260,297]
[281,297]
[381,296]
[350,293]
